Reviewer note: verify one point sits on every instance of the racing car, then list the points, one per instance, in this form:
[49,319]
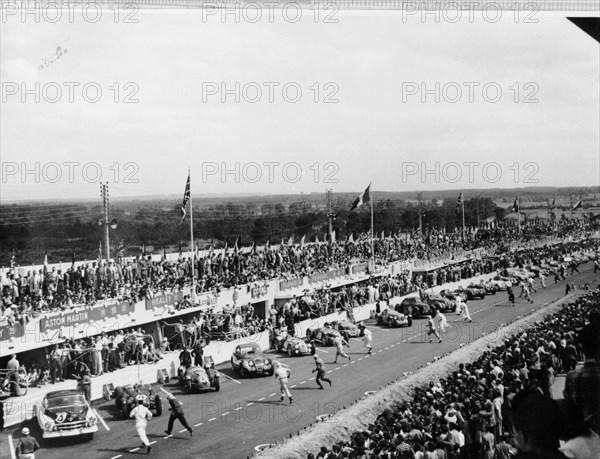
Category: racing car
[248,360]
[292,344]
[66,413]
[414,307]
[346,328]
[489,288]
[324,335]
[393,318]
[126,399]
[440,302]
[502,283]
[473,291]
[200,378]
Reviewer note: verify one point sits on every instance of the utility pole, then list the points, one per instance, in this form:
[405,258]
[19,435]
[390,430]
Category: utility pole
[477,211]
[419,196]
[106,222]
[329,197]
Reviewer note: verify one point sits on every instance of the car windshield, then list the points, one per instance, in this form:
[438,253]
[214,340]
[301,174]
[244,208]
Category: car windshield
[77,401]
[248,350]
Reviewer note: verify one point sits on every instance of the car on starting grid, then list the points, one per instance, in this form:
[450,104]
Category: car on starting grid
[66,413]
[126,399]
[248,360]
[324,335]
[200,377]
[393,318]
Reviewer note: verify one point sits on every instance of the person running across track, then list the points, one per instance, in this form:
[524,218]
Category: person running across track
[320,370]
[283,375]
[531,284]
[431,330]
[339,344]
[464,309]
[442,321]
[176,413]
[142,415]
[367,338]
[511,295]
[527,293]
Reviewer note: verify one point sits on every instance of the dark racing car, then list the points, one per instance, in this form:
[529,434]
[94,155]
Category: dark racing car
[393,318]
[324,335]
[126,399]
[413,307]
[439,302]
[66,413]
[248,360]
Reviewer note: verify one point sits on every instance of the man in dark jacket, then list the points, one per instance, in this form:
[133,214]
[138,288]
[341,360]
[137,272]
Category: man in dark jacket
[176,413]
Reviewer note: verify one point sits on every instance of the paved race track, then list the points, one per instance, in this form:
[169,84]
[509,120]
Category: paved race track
[247,413]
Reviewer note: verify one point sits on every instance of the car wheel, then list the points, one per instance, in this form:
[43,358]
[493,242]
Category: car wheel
[188,386]
[493,292]
[158,405]
[390,322]
[217,384]
[313,349]
[289,351]
[242,373]
[410,321]
[232,365]
[124,411]
[89,437]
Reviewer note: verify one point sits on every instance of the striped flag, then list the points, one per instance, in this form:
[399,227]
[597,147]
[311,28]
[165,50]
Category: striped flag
[186,198]
[553,205]
[13,260]
[121,249]
[577,204]
[302,240]
[99,252]
[362,198]
[516,205]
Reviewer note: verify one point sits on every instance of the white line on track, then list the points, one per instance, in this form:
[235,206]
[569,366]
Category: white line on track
[210,420]
[11,446]
[322,350]
[291,387]
[271,395]
[345,365]
[251,403]
[359,359]
[354,361]
[134,450]
[117,457]
[152,442]
[356,339]
[330,371]
[302,382]
[164,438]
[261,399]
[182,430]
[101,420]
[312,379]
[229,377]
[384,330]
[335,369]
[380,350]
[226,413]
[198,425]
[238,408]
[282,364]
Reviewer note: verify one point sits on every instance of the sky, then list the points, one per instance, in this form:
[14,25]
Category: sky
[363,114]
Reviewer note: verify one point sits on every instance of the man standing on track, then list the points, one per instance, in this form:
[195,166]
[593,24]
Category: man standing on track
[320,372]
[431,330]
[142,415]
[176,413]
[339,344]
[367,338]
[283,375]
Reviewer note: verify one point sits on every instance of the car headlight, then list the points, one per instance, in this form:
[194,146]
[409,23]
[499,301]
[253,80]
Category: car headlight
[245,363]
[92,420]
[49,425]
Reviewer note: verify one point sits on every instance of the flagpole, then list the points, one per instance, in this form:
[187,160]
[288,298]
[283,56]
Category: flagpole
[518,215]
[192,237]
[463,209]
[371,202]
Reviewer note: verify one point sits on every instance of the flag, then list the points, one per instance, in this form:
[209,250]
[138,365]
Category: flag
[225,249]
[362,198]
[332,237]
[236,250]
[459,202]
[99,252]
[291,240]
[317,239]
[186,198]
[350,239]
[268,244]
[73,258]
[553,205]
[302,240]
[577,205]
[516,205]
[382,235]
[12,259]
[143,249]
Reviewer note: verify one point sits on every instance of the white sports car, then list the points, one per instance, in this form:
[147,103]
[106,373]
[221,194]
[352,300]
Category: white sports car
[66,413]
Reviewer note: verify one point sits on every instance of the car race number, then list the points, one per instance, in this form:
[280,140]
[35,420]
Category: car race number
[61,417]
